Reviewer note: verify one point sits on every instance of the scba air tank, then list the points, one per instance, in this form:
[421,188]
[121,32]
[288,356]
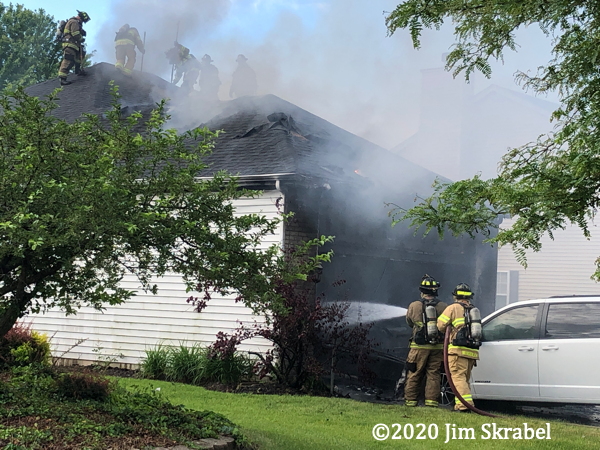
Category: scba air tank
[432,329]
[475,317]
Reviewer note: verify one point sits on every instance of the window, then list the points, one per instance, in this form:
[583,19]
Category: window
[573,321]
[517,323]
[501,289]
[507,288]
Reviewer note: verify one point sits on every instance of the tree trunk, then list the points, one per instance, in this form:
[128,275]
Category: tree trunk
[9,317]
[17,304]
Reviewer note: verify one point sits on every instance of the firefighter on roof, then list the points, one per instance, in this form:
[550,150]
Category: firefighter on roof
[463,349]
[244,79]
[209,80]
[426,353]
[126,40]
[186,66]
[72,37]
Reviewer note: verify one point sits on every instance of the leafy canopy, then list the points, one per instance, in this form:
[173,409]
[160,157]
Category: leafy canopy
[545,184]
[83,203]
[29,52]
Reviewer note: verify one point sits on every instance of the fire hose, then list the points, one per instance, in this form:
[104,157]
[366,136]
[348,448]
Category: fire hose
[449,376]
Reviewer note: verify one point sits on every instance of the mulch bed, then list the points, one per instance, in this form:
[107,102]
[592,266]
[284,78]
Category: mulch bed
[247,387]
[260,388]
[109,371]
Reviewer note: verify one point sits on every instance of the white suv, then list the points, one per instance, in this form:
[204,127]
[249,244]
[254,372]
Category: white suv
[541,351]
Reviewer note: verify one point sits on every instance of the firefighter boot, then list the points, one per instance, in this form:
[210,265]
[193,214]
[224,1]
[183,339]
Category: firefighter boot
[79,71]
[64,82]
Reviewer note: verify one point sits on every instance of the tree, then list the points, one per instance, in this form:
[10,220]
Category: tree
[82,204]
[545,184]
[29,51]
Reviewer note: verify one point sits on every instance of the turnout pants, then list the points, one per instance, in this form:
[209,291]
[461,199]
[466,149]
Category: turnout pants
[70,59]
[428,363]
[189,79]
[460,371]
[125,53]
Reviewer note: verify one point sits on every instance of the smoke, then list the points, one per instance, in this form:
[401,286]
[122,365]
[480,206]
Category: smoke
[332,58]
[188,21]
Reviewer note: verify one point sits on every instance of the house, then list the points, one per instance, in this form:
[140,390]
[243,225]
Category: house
[462,133]
[335,183]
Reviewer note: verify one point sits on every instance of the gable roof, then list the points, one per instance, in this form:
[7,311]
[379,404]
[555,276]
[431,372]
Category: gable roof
[268,135]
[263,136]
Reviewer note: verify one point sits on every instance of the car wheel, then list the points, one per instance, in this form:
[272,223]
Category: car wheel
[446,394]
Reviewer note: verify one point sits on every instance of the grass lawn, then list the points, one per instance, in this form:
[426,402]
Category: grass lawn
[314,423]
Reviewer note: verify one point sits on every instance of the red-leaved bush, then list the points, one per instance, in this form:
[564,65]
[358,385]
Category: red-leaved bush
[85,385]
[22,346]
[310,340]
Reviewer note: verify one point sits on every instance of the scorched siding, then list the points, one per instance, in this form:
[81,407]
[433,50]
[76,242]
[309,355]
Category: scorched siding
[147,320]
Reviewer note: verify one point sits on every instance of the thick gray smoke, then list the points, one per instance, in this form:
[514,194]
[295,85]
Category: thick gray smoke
[338,63]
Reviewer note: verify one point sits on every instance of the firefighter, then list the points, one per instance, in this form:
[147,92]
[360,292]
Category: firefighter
[426,353]
[186,66]
[126,40]
[463,349]
[244,79]
[209,80]
[72,37]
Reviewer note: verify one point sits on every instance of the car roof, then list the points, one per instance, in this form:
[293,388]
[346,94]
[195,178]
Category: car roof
[561,299]
[565,299]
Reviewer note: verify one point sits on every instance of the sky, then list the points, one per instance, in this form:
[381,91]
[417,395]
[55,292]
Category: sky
[330,57]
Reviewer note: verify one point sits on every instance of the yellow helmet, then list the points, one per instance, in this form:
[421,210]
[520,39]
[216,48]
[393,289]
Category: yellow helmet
[429,285]
[462,291]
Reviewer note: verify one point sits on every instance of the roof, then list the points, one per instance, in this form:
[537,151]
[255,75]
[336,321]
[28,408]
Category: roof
[92,93]
[267,134]
[263,135]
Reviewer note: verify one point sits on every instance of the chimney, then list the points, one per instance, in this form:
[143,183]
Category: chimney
[443,104]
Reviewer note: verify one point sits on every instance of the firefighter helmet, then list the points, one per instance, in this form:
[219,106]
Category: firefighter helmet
[207,59]
[241,58]
[462,291]
[429,285]
[85,17]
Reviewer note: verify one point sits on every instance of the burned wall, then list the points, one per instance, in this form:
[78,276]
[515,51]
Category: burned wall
[382,266]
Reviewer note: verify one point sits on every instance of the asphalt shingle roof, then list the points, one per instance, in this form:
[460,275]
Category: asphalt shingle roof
[263,135]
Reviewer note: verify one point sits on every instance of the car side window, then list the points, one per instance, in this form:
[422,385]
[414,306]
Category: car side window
[573,321]
[516,323]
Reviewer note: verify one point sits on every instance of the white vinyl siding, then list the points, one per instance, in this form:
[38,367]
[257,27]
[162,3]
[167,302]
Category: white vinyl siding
[147,320]
[562,267]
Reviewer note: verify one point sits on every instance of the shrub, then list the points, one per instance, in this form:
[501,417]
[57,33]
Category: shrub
[155,364]
[196,364]
[84,386]
[186,364]
[22,346]
[224,364]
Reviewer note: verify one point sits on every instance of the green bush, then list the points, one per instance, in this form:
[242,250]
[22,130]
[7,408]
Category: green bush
[22,346]
[195,365]
[186,364]
[229,370]
[155,364]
